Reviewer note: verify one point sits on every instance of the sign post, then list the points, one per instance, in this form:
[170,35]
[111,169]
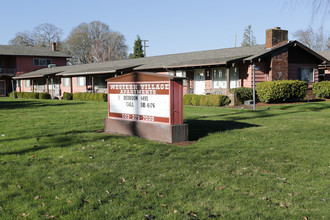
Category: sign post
[147,105]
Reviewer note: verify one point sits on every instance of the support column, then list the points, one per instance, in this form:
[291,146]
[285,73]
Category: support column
[71,88]
[228,79]
[93,90]
[32,85]
[47,82]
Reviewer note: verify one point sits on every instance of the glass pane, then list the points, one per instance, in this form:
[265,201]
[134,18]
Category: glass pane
[219,78]
[307,74]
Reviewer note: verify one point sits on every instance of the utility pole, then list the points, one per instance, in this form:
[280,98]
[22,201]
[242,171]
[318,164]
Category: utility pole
[144,47]
[254,85]
[235,40]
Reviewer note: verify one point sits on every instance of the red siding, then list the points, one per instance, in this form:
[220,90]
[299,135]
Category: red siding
[246,74]
[294,68]
[24,64]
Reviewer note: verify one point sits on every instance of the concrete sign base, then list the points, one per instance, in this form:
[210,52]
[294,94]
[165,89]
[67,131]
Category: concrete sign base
[152,131]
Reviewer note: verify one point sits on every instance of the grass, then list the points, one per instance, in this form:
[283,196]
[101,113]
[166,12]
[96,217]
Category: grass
[273,163]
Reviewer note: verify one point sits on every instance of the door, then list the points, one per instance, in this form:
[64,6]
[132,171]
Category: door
[54,87]
[199,82]
[2,88]
[57,83]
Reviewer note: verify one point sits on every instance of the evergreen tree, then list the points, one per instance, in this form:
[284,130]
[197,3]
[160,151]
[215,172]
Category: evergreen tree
[248,38]
[138,49]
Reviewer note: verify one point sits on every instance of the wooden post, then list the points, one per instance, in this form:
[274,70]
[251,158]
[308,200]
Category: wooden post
[93,91]
[71,88]
[228,79]
[32,85]
[47,81]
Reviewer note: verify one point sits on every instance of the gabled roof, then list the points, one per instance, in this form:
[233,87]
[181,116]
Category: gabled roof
[12,50]
[325,54]
[171,61]
[289,44]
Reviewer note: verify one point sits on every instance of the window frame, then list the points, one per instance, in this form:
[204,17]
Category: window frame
[27,83]
[309,79]
[41,61]
[66,81]
[78,82]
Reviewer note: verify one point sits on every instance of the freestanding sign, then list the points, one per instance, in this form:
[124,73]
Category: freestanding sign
[148,105]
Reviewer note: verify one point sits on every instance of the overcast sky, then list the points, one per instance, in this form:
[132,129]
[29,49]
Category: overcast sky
[171,26]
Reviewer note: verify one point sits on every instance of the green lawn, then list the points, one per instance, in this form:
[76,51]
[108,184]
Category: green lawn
[55,162]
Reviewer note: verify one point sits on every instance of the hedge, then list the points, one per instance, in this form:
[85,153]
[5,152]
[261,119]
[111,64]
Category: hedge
[322,89]
[242,94]
[187,99]
[67,96]
[281,91]
[11,95]
[84,96]
[44,95]
[31,95]
[206,100]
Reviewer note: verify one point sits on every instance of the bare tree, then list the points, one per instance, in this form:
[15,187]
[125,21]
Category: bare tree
[320,8]
[328,43]
[43,35]
[47,33]
[23,39]
[95,42]
[314,40]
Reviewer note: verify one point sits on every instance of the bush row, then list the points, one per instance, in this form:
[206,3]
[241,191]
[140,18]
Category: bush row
[31,95]
[281,91]
[206,100]
[322,89]
[83,96]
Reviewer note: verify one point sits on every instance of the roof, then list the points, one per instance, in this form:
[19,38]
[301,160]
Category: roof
[325,54]
[12,50]
[225,56]
[144,77]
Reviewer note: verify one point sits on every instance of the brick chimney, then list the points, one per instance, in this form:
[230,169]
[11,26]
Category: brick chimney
[275,36]
[54,46]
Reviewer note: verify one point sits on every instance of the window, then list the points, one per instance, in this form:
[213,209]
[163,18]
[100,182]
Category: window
[307,74]
[81,81]
[219,78]
[1,62]
[66,81]
[181,73]
[27,83]
[41,62]
[321,75]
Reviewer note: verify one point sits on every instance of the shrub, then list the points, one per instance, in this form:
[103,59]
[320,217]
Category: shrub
[322,89]
[44,95]
[30,95]
[11,95]
[19,94]
[67,96]
[224,100]
[203,100]
[78,96]
[187,99]
[84,96]
[206,100]
[101,97]
[242,94]
[281,91]
[195,100]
